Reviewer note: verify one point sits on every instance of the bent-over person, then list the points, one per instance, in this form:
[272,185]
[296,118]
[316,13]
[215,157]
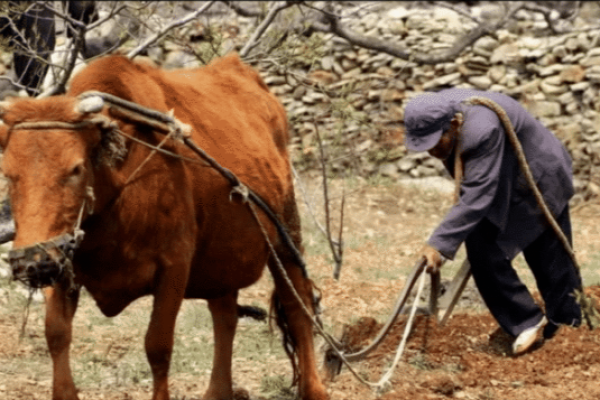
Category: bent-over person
[496,214]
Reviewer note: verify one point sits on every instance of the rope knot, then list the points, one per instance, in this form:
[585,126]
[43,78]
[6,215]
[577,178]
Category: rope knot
[241,190]
[179,129]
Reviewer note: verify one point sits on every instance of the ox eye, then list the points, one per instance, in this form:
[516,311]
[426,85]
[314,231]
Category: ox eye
[76,172]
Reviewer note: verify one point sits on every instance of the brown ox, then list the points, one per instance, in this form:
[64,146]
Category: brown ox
[171,230]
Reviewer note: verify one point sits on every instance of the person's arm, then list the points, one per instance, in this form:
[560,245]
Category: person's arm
[482,154]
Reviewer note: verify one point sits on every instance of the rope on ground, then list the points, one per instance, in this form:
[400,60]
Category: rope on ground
[383,383]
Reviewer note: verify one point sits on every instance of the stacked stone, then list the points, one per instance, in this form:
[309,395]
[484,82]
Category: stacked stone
[356,96]
[353,98]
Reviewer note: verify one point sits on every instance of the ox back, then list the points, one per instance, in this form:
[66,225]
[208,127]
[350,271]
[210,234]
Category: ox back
[156,224]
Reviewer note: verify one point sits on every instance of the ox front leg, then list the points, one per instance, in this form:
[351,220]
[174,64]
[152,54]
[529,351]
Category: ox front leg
[159,337]
[299,326]
[225,318]
[61,305]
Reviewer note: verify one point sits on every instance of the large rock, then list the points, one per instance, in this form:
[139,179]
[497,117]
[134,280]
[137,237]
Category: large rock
[572,74]
[507,53]
[545,108]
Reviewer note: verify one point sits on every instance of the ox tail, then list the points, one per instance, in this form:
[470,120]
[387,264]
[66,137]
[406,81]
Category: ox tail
[281,315]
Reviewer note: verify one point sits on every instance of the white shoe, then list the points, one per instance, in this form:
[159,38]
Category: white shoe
[528,337]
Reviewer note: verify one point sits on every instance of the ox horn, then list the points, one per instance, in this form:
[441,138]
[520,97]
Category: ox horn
[92,104]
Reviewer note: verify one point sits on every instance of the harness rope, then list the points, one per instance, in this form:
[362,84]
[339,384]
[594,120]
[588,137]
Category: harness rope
[458,164]
[169,125]
[166,124]
[67,242]
[384,381]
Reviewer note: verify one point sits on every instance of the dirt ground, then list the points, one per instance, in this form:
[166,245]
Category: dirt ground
[469,358]
[385,225]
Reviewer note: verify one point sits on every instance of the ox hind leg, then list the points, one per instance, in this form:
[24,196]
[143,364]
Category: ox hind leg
[297,329]
[61,305]
[295,324]
[225,318]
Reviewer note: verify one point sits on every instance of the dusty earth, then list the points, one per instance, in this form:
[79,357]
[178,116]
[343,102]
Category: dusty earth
[385,224]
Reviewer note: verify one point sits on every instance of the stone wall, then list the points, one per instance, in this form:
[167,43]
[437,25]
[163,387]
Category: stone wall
[353,98]
[356,96]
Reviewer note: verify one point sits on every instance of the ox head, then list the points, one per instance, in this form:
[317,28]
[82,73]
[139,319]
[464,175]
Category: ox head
[48,151]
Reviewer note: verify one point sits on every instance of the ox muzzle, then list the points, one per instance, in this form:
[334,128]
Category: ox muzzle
[46,263]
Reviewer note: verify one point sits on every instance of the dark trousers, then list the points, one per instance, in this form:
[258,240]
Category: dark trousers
[507,298]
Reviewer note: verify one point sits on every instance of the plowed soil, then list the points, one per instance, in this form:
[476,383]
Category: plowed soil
[470,357]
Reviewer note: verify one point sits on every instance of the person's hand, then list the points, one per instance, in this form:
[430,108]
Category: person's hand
[433,259]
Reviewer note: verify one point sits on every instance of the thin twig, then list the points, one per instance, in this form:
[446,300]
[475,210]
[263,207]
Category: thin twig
[242,11]
[166,30]
[334,25]
[78,43]
[547,13]
[253,41]
[76,23]
[340,243]
[335,250]
[110,16]
[308,202]
[458,10]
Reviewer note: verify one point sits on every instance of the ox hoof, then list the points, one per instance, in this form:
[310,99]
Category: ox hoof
[240,394]
[237,394]
[317,392]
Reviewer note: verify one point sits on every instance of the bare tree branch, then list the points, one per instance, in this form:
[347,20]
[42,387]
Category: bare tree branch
[340,243]
[337,250]
[253,41]
[363,41]
[308,203]
[547,13]
[13,82]
[71,59]
[78,30]
[76,23]
[244,11]
[458,10]
[164,31]
[333,25]
[115,11]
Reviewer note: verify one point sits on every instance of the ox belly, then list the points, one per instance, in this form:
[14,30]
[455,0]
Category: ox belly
[230,256]
[215,272]
[216,275]
[117,272]
[114,286]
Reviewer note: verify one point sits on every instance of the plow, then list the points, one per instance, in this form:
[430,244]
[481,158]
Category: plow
[439,306]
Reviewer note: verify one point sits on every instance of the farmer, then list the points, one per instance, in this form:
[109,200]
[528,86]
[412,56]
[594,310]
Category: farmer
[496,214]
[29,28]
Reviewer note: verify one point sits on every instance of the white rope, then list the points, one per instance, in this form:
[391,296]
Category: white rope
[384,381]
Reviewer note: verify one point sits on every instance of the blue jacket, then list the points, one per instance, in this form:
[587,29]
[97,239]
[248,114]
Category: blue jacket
[493,186]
